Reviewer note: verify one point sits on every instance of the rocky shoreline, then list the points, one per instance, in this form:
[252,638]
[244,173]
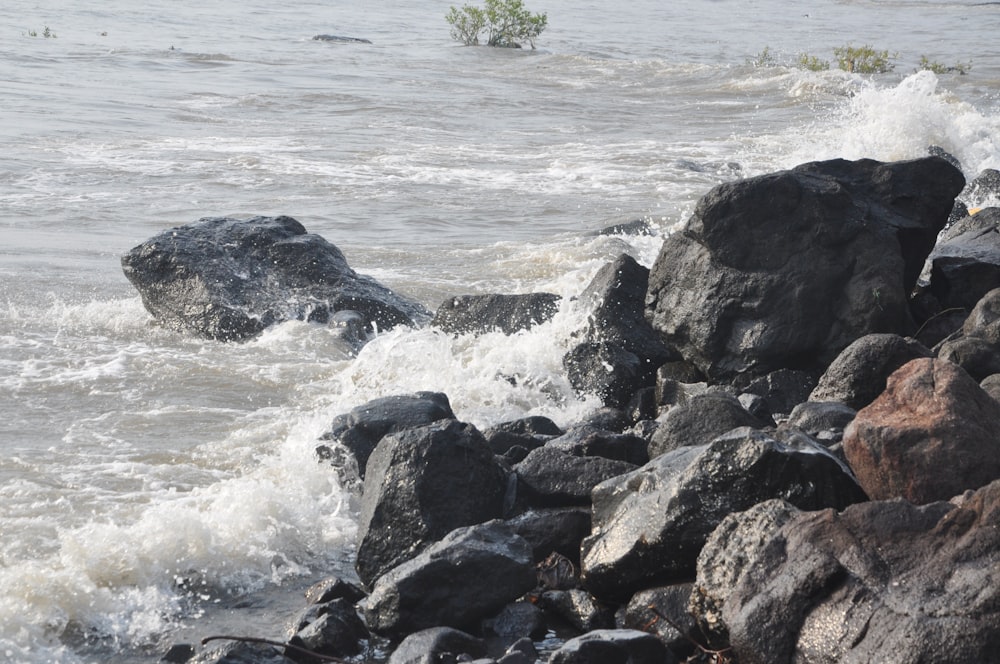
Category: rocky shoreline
[798,459]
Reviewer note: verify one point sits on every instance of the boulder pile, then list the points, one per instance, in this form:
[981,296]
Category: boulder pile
[782,471]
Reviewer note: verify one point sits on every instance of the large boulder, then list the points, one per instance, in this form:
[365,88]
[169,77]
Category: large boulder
[700,420]
[478,314]
[883,581]
[931,435]
[785,270]
[553,477]
[649,525]
[469,575]
[859,373]
[619,333]
[228,279]
[421,484]
[360,430]
[965,264]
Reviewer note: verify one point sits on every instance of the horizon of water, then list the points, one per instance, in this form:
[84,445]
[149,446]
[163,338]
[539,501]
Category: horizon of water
[156,488]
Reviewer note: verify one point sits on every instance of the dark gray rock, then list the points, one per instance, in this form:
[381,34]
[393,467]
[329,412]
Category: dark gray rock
[520,652]
[699,420]
[984,320]
[578,608]
[559,530]
[469,575]
[979,357]
[361,429]
[991,385]
[984,186]
[592,441]
[516,621]
[423,483]
[782,390]
[663,612]
[814,417]
[550,477]
[880,582]
[240,653]
[858,375]
[784,270]
[606,370]
[649,525]
[337,631]
[965,264]
[228,279]
[613,646]
[341,39]
[634,227]
[332,588]
[528,432]
[479,314]
[437,645]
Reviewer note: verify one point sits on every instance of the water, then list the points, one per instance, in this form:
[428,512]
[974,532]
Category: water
[156,488]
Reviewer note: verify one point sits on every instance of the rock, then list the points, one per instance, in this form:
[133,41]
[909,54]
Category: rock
[613,646]
[228,279]
[516,621]
[592,441]
[620,351]
[813,417]
[977,356]
[984,319]
[437,645]
[859,373]
[991,385]
[520,652]
[965,264]
[634,227]
[699,420]
[423,483]
[880,582]
[782,390]
[337,631]
[528,432]
[332,588]
[785,270]
[983,187]
[578,608]
[479,314]
[469,575]
[931,435]
[558,530]
[178,653]
[338,38]
[239,652]
[661,611]
[361,429]
[649,525]
[549,477]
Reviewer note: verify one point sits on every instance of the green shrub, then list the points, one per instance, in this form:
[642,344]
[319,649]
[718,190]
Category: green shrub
[932,65]
[812,63]
[48,34]
[763,59]
[506,23]
[863,60]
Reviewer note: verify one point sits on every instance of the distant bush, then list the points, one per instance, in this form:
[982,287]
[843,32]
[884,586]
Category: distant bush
[812,63]
[506,24]
[932,65]
[763,59]
[863,60]
[48,34]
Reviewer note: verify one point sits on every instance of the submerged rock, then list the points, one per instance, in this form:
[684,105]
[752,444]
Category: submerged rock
[228,279]
[784,270]
[479,314]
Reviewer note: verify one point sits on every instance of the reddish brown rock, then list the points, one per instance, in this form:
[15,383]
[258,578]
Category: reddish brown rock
[932,434]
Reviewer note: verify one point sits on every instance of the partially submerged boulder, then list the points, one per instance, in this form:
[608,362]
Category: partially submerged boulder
[422,484]
[883,581]
[228,279]
[479,314]
[786,269]
[649,525]
[931,435]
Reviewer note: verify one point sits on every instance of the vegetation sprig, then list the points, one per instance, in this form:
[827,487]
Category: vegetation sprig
[506,24]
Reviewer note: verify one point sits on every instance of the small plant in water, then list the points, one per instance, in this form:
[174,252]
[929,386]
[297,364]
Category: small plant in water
[863,60]
[812,63]
[507,23]
[47,33]
[959,68]
[763,59]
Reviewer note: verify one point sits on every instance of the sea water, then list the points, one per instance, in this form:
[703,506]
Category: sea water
[156,488]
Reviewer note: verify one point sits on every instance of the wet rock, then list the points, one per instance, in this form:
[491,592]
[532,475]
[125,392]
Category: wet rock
[858,375]
[229,279]
[239,652]
[578,608]
[479,314]
[991,385]
[814,417]
[620,351]
[931,435]
[699,420]
[613,646]
[437,645]
[785,270]
[984,186]
[423,483]
[965,264]
[528,432]
[340,39]
[882,581]
[520,652]
[978,357]
[663,612]
[649,525]
[469,575]
[558,530]
[782,390]
[634,227]
[516,621]
[361,429]
[592,441]
[337,631]
[178,654]
[332,588]
[550,477]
